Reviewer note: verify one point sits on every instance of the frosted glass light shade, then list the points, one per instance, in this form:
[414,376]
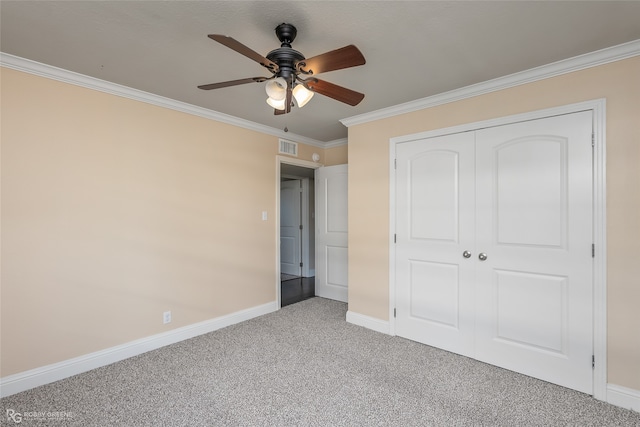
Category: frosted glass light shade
[302,95]
[275,103]
[276,89]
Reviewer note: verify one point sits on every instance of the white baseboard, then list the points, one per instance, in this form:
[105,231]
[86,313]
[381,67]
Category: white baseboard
[623,397]
[369,322]
[47,374]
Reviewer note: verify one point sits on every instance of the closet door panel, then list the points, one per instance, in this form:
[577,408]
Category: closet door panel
[435,205]
[533,222]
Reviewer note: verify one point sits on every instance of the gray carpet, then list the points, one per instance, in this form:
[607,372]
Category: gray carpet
[305,366]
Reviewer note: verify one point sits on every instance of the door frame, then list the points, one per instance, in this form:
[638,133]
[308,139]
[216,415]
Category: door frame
[296,162]
[598,107]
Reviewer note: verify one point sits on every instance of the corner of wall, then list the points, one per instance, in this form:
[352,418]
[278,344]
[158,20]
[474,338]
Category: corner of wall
[382,326]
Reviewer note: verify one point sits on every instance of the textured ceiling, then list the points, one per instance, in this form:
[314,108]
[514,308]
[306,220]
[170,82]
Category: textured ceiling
[413,49]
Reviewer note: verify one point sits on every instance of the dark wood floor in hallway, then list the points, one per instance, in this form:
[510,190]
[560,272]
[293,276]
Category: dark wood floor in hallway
[296,290]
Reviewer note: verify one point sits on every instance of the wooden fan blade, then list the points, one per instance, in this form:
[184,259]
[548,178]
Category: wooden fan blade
[345,57]
[232,43]
[232,83]
[334,91]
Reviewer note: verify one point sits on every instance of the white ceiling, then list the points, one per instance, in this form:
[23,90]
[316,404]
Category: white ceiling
[413,49]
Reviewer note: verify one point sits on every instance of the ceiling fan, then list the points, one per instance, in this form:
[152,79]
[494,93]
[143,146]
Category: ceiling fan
[293,75]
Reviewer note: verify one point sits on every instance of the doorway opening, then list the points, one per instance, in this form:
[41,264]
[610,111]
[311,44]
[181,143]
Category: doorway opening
[295,230]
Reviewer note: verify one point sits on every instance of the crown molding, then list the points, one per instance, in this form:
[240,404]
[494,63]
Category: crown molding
[66,76]
[581,62]
[336,143]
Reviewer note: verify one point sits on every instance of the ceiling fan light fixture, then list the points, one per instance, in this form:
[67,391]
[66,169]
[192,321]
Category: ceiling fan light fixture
[302,95]
[277,89]
[288,67]
[278,104]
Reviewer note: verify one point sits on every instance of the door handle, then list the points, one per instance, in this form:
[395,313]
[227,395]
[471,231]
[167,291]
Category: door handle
[466,254]
[482,256]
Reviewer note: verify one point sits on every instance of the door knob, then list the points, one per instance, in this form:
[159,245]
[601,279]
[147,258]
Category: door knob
[466,254]
[482,256]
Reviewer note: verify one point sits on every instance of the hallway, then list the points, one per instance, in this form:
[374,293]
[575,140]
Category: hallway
[296,290]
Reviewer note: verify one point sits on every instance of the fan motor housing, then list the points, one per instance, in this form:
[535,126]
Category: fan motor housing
[286,58]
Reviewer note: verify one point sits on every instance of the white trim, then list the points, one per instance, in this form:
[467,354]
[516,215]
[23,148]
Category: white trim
[581,62]
[598,106]
[66,76]
[336,143]
[46,374]
[600,241]
[392,234]
[623,397]
[298,162]
[368,322]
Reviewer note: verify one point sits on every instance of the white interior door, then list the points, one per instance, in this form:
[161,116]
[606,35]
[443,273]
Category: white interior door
[331,232]
[534,223]
[290,221]
[517,200]
[435,202]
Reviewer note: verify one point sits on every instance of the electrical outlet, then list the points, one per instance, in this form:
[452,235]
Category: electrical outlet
[166,317]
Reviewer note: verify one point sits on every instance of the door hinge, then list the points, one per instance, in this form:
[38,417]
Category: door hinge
[300,264]
[394,237]
[395,163]
[593,361]
[300,226]
[394,312]
[593,250]
[593,139]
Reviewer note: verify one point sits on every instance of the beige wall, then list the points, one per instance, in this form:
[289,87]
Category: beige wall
[336,155]
[305,152]
[114,211]
[328,157]
[619,83]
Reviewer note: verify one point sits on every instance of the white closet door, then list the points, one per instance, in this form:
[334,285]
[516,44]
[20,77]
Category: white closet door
[332,232]
[435,204]
[518,200]
[534,223]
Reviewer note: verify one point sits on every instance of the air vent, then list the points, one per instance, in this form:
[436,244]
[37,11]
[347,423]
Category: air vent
[288,147]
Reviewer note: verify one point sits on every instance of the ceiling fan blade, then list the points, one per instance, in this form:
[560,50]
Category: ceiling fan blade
[345,57]
[232,83]
[334,91]
[231,43]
